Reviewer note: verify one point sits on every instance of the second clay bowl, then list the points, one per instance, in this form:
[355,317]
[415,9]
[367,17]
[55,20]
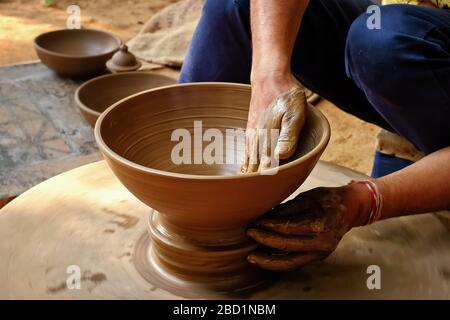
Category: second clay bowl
[96,95]
[200,210]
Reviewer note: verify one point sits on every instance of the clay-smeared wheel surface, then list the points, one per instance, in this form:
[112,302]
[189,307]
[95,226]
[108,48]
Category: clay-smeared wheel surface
[96,95]
[76,52]
[87,218]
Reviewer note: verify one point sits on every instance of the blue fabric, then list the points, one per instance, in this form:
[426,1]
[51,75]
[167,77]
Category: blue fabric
[384,164]
[404,70]
[397,77]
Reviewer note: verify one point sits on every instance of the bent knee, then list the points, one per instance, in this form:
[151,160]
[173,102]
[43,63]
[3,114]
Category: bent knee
[372,54]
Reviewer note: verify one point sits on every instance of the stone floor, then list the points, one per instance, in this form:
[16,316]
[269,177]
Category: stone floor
[42,133]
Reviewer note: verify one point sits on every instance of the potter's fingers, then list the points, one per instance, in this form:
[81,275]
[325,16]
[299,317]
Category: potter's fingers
[253,155]
[291,124]
[267,155]
[264,151]
[245,158]
[244,163]
[290,242]
[265,163]
[253,167]
[285,262]
[294,225]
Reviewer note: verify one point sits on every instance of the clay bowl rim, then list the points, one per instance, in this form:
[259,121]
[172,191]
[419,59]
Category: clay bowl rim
[112,154]
[95,113]
[63,55]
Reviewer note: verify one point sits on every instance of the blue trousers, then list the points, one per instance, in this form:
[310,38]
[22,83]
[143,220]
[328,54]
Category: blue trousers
[397,77]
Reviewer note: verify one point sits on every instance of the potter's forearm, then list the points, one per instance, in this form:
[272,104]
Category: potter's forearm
[422,187]
[275,26]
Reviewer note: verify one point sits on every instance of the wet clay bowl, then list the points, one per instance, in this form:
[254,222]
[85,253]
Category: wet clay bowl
[200,211]
[96,95]
[76,52]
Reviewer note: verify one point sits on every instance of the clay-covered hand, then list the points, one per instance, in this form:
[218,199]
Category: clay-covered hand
[280,117]
[307,228]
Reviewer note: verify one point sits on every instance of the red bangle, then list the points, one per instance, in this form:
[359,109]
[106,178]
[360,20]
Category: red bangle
[377,200]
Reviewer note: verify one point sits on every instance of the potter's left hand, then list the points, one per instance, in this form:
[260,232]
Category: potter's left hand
[309,227]
[280,108]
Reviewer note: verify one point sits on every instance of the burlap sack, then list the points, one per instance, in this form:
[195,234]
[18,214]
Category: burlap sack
[164,39]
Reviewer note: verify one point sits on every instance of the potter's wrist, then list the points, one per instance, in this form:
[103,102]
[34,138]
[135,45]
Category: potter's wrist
[394,203]
[358,204]
[275,82]
[269,75]
[268,72]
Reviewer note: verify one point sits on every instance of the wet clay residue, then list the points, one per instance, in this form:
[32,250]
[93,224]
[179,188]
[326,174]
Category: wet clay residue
[124,220]
[96,279]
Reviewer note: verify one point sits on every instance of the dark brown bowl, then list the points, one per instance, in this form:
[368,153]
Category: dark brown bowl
[76,52]
[96,95]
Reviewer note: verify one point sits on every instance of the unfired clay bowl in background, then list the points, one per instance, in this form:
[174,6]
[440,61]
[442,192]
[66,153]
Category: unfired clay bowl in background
[76,52]
[201,211]
[96,95]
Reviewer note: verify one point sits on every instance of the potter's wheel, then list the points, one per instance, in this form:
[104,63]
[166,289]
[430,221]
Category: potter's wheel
[85,217]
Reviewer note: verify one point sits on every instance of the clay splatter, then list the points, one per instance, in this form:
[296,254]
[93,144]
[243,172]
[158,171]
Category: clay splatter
[126,254]
[60,287]
[307,288]
[445,272]
[126,221]
[95,278]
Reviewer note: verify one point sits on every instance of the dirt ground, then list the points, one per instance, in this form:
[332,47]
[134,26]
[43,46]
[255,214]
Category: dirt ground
[352,141]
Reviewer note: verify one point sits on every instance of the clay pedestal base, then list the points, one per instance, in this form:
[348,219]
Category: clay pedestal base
[192,270]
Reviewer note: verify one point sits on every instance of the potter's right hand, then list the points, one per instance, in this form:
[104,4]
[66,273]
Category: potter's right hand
[309,227]
[276,103]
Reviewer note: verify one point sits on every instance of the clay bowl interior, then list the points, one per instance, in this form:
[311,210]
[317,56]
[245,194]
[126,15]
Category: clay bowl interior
[96,95]
[76,52]
[208,202]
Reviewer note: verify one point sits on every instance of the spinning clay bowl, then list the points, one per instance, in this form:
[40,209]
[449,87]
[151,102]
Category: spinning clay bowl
[76,52]
[200,211]
[95,95]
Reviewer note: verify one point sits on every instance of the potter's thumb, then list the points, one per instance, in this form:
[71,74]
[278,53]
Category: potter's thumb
[287,141]
[284,149]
